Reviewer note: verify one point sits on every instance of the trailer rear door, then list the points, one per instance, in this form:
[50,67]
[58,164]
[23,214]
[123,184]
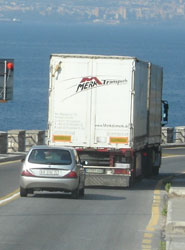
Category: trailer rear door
[90,101]
[69,101]
[111,103]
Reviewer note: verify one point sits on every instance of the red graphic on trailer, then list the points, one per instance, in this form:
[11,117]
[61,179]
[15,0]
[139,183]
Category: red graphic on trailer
[87,83]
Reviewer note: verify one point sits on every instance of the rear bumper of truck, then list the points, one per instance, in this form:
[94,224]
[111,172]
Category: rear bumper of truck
[104,180]
[107,180]
[107,176]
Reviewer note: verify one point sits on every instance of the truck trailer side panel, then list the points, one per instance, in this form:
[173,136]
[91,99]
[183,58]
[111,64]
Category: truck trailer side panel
[140,105]
[154,104]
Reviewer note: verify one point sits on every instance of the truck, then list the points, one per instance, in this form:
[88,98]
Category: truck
[110,109]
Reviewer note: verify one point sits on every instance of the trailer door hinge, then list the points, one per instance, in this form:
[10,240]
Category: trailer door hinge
[131,125]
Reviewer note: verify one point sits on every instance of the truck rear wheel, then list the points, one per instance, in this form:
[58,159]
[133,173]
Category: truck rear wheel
[155,171]
[147,161]
[133,172]
[157,161]
[131,180]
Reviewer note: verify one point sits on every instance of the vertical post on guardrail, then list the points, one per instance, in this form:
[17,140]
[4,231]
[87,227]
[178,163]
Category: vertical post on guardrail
[16,141]
[3,142]
[167,135]
[34,137]
[180,134]
[46,136]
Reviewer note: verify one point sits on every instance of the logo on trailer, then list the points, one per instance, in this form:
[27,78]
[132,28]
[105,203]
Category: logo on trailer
[93,82]
[87,83]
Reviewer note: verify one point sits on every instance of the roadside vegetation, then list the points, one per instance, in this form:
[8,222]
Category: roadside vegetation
[168,186]
[164,210]
[162,245]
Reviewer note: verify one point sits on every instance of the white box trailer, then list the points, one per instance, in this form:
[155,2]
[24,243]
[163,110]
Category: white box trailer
[109,108]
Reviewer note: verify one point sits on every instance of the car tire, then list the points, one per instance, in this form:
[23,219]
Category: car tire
[23,192]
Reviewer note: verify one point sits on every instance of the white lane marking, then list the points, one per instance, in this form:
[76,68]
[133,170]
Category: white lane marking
[171,156]
[7,198]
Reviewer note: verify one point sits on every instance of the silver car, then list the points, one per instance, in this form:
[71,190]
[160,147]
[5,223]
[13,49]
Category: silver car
[52,169]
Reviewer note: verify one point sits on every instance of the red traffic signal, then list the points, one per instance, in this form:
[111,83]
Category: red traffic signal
[10,66]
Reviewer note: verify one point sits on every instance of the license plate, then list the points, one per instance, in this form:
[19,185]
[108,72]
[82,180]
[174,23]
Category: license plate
[95,170]
[49,172]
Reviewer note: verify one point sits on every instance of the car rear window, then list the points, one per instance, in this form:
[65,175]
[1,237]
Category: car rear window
[50,156]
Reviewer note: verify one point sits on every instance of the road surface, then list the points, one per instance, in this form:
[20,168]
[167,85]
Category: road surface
[105,219]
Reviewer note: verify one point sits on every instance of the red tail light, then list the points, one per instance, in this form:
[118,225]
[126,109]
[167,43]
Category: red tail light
[26,173]
[72,174]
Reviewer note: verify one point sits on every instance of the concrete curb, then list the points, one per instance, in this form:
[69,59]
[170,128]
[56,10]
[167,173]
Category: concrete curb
[175,221]
[171,145]
[174,226]
[177,192]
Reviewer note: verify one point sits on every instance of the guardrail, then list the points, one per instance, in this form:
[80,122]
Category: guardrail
[173,135]
[22,140]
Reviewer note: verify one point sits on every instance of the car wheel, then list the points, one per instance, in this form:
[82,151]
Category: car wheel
[23,192]
[75,194]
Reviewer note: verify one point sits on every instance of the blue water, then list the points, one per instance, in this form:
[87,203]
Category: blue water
[31,45]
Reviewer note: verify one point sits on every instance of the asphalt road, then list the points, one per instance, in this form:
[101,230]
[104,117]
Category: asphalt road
[106,219]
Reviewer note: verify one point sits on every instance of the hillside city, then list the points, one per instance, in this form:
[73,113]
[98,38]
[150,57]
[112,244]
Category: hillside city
[93,11]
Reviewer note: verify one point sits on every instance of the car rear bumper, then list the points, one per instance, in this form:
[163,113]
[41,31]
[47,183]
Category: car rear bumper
[38,183]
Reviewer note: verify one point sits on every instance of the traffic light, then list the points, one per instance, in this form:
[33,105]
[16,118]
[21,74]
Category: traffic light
[6,79]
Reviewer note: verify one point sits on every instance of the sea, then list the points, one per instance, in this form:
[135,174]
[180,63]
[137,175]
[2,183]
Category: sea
[31,44]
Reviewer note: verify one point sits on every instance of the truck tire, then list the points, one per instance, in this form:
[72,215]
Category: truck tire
[147,163]
[133,173]
[157,161]
[131,180]
[155,171]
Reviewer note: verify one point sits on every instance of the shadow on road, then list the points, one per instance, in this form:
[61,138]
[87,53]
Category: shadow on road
[102,197]
[109,193]
[88,196]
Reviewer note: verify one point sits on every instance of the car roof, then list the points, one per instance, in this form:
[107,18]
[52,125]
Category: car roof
[52,147]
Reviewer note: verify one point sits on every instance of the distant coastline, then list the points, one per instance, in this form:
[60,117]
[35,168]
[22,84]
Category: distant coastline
[13,20]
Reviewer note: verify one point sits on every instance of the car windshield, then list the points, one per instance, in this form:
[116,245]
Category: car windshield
[50,156]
